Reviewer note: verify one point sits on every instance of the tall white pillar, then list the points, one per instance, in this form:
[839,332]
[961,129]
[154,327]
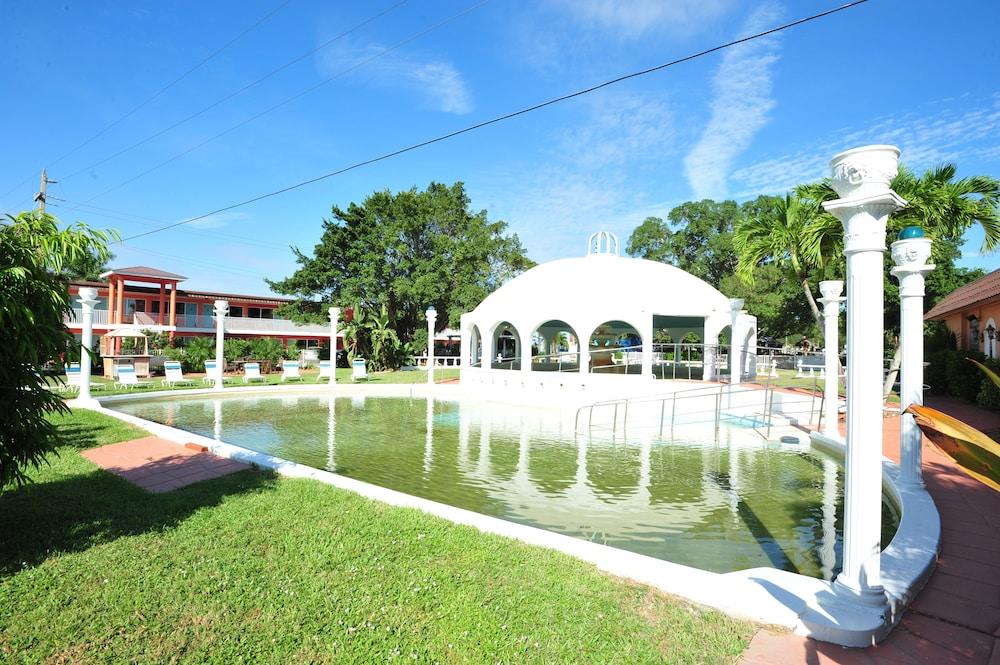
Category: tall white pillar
[647,347]
[910,253]
[735,347]
[431,321]
[334,317]
[831,290]
[87,300]
[861,177]
[221,309]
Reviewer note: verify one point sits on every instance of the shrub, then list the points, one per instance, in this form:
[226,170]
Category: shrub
[235,349]
[197,351]
[950,373]
[989,394]
[33,300]
[266,349]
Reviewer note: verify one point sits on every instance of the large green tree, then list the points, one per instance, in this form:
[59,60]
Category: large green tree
[698,239]
[33,299]
[404,251]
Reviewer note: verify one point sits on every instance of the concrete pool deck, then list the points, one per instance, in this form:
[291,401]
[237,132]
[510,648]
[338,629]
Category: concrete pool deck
[956,617]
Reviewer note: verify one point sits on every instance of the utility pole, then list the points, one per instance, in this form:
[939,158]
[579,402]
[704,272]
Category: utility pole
[40,196]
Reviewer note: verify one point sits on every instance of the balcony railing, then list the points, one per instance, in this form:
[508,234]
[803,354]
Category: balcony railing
[234,324]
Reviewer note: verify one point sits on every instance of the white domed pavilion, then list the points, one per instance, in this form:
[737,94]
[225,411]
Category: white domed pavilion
[601,314]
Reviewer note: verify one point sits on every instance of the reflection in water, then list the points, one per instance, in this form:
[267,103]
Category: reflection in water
[724,506]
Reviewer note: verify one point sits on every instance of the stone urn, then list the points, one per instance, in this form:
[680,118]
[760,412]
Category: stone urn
[864,172]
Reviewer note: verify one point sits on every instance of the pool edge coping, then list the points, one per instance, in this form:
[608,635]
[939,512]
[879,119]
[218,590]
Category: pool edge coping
[805,605]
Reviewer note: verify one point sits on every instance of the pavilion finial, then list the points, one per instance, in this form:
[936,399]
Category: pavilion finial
[603,242]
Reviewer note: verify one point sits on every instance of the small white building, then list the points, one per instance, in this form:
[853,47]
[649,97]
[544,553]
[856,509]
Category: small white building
[570,320]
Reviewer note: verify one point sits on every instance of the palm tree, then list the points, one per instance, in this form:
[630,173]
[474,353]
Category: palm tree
[783,233]
[946,207]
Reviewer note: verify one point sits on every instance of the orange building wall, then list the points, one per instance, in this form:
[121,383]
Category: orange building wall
[958,324]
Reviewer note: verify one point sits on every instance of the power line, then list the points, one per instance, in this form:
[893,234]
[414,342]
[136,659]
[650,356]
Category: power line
[291,99]
[159,92]
[236,93]
[132,218]
[507,116]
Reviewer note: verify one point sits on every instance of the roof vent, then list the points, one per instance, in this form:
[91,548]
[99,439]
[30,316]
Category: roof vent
[603,242]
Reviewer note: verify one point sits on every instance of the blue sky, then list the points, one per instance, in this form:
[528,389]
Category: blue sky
[756,119]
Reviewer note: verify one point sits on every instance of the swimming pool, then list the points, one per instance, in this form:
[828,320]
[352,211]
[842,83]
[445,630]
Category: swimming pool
[736,503]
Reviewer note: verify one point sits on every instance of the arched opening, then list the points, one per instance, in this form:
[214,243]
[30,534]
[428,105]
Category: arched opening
[555,347]
[506,347]
[721,355]
[990,334]
[475,358]
[615,348]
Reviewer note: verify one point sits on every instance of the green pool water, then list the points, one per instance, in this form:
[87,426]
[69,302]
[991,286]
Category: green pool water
[725,505]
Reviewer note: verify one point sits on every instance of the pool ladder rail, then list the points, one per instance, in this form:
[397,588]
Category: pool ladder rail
[762,419]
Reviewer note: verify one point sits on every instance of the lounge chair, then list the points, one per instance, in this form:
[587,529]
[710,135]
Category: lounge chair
[211,367]
[74,379]
[128,379]
[359,369]
[175,376]
[325,370]
[251,372]
[290,371]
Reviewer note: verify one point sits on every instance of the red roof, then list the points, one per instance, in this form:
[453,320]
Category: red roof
[144,271]
[967,297]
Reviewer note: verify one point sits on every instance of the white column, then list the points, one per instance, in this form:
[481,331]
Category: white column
[910,253]
[647,347]
[334,317]
[87,300]
[735,347]
[831,290]
[861,177]
[431,321]
[221,308]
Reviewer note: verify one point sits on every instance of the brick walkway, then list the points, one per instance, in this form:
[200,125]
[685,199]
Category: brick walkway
[158,465]
[956,618]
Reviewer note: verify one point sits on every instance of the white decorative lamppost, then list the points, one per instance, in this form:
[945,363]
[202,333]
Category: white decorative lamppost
[431,321]
[910,253]
[87,300]
[221,309]
[861,178]
[735,348]
[334,316]
[831,290]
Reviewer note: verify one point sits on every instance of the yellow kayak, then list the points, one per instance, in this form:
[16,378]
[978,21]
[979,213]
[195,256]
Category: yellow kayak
[975,453]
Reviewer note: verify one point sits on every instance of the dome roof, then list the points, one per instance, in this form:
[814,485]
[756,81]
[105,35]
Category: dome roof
[568,288]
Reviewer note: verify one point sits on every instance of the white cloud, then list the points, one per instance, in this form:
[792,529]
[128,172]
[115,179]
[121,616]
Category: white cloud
[217,221]
[740,107]
[620,128]
[437,83]
[634,18]
[930,136]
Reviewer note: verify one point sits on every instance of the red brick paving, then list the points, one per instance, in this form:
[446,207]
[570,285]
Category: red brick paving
[158,465]
[956,618]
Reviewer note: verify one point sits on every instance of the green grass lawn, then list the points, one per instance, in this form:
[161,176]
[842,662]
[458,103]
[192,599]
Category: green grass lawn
[258,568]
[309,378]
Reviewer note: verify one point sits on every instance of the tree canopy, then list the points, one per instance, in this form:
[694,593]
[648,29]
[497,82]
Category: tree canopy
[404,251]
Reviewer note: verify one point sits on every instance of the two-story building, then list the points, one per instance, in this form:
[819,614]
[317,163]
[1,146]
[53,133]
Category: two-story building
[147,299]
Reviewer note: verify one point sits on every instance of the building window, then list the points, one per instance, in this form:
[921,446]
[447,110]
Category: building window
[154,307]
[266,313]
[253,312]
[973,333]
[181,308]
[236,311]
